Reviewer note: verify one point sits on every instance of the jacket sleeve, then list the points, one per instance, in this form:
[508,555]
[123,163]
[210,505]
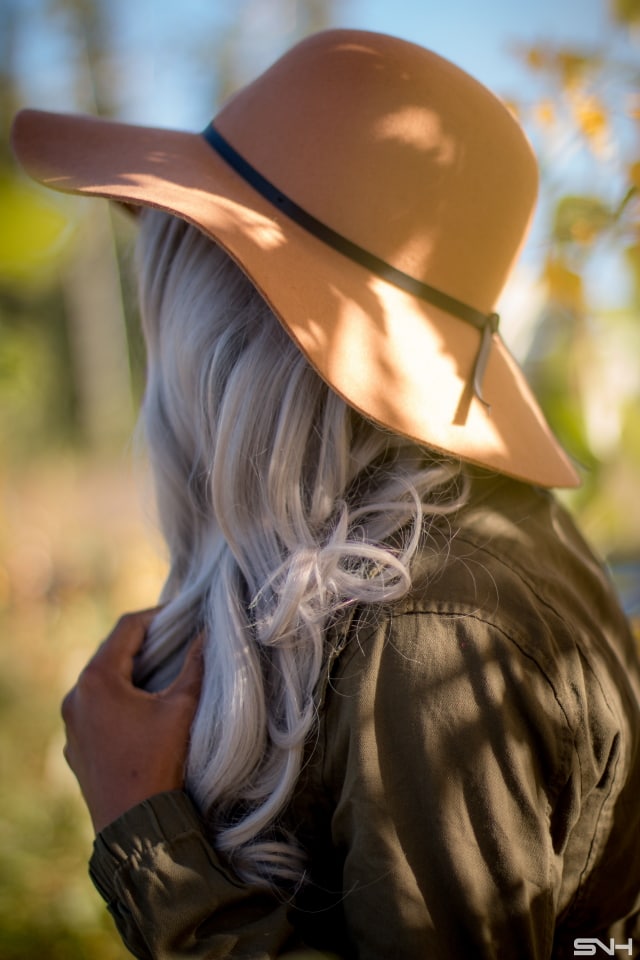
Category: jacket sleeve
[448,751]
[171,897]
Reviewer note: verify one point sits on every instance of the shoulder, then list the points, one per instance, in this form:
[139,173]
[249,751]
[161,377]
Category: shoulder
[509,608]
[511,558]
[514,558]
[513,551]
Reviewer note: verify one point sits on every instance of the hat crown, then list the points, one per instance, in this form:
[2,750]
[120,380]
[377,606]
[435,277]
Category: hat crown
[400,153]
[398,150]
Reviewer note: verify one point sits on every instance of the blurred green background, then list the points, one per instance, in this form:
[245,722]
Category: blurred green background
[77,540]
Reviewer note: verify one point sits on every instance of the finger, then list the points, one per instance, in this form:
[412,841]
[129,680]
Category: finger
[189,680]
[118,651]
[66,707]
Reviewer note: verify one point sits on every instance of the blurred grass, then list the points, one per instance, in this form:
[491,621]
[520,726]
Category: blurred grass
[75,552]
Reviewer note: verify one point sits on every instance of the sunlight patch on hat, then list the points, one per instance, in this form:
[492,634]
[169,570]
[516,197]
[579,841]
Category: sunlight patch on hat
[266,233]
[418,127]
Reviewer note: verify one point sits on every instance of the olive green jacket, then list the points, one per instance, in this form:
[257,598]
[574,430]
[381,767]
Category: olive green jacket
[474,788]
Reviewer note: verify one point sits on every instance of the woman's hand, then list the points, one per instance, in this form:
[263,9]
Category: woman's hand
[124,744]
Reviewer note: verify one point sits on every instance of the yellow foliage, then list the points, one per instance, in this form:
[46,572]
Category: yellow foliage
[580,219]
[572,67]
[633,108]
[584,231]
[535,58]
[591,117]
[32,230]
[563,285]
[545,113]
[626,11]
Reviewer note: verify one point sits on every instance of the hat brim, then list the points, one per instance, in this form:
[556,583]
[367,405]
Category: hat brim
[386,352]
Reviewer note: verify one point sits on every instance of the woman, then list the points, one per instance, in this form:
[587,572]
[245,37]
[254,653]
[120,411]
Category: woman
[388,706]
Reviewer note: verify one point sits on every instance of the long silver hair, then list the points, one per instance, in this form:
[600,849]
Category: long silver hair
[280,506]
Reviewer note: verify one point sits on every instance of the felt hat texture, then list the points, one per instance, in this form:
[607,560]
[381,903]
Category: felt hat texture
[393,149]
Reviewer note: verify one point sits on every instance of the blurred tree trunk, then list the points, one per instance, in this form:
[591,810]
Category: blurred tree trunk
[97,333]
[260,31]
[96,316]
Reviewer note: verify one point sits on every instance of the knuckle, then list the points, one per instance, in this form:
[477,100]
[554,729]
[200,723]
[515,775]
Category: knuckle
[67,706]
[91,677]
[125,622]
[87,685]
[129,624]
[67,753]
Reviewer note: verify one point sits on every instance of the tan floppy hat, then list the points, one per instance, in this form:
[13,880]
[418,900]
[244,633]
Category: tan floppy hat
[377,197]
